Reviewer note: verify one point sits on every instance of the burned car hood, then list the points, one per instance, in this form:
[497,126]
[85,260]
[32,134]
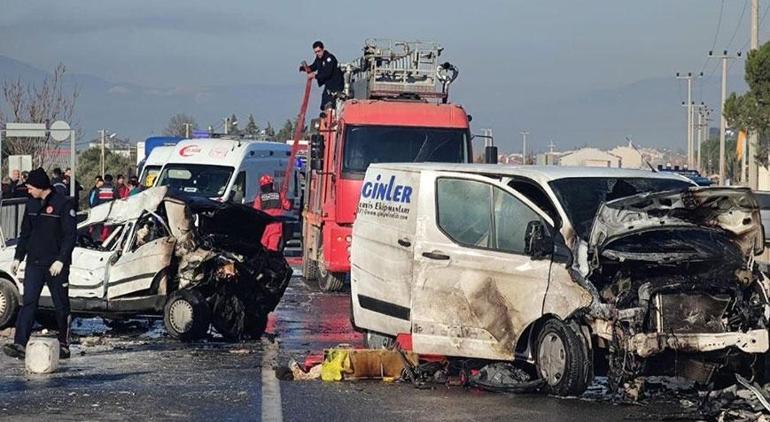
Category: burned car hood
[675,226]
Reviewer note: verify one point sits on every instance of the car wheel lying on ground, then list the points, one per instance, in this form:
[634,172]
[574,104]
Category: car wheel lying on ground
[193,261]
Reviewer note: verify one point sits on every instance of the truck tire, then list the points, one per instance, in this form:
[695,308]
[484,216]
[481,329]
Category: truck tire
[9,303]
[331,282]
[562,360]
[309,269]
[186,315]
[374,340]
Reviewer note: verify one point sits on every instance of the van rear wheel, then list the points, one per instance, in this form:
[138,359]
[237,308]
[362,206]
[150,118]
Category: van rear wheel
[563,359]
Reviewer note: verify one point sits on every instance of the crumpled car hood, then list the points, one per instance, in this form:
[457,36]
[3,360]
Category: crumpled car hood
[123,210]
[727,214]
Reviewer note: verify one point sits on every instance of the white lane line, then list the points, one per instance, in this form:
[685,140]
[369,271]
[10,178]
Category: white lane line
[271,388]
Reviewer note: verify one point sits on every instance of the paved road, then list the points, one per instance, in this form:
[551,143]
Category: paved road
[139,374]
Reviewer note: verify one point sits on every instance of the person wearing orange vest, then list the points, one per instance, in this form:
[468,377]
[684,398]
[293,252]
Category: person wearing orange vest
[270,202]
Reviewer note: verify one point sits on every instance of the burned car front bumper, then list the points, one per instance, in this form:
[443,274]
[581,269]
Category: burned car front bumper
[648,344]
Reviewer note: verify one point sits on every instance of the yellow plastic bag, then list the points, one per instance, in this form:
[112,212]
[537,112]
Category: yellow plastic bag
[335,363]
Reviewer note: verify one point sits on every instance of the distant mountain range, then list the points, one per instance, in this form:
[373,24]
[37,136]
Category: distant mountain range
[139,111]
[648,111]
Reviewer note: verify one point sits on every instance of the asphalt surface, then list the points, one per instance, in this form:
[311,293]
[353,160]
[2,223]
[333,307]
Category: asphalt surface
[138,373]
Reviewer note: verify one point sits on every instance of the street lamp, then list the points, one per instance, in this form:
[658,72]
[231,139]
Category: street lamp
[103,136]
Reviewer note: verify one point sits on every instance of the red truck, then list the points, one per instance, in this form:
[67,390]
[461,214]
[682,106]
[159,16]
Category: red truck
[394,109]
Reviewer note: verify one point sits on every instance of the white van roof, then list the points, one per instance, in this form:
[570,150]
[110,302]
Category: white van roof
[227,152]
[159,155]
[542,174]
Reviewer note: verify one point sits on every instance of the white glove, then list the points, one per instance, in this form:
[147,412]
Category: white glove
[15,266]
[56,268]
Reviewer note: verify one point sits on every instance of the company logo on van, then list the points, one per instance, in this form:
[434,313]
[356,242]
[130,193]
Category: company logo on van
[387,191]
[189,150]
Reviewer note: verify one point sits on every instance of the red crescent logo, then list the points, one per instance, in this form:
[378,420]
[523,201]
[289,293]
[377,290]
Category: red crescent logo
[189,150]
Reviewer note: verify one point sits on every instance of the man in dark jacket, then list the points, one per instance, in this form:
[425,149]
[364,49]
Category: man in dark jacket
[48,233]
[326,71]
[58,182]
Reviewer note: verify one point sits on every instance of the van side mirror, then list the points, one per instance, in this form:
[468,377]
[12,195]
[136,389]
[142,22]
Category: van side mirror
[316,152]
[537,241]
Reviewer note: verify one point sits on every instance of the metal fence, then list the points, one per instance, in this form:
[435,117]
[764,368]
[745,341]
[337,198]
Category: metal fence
[11,213]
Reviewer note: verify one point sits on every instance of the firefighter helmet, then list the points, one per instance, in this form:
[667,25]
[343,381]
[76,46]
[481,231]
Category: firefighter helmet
[266,179]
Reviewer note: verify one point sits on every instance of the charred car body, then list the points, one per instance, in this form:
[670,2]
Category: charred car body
[571,269]
[195,261]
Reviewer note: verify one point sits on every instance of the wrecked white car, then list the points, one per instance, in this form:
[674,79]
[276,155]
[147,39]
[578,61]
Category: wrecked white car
[195,261]
[577,270]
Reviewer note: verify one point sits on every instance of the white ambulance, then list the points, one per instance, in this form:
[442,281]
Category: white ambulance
[224,169]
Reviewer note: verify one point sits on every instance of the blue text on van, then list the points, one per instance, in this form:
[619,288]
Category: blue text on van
[389,191]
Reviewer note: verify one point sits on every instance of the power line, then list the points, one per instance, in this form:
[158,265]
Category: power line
[738,25]
[716,33]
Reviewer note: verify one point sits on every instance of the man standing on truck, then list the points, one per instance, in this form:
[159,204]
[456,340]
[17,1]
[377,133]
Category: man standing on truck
[270,202]
[47,239]
[326,71]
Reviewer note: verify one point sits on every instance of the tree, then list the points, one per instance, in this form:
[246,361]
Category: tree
[710,158]
[43,102]
[269,131]
[89,166]
[234,126]
[177,125]
[751,111]
[251,130]
[286,132]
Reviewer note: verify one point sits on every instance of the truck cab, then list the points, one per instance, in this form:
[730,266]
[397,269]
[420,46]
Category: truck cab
[409,120]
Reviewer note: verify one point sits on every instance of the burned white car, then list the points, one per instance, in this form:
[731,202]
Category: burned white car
[576,270]
[195,261]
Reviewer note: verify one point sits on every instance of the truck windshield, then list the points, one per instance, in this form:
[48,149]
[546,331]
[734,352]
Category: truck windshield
[196,179]
[365,145]
[582,196]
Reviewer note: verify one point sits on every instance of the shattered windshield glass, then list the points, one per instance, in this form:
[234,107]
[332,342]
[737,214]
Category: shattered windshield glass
[582,196]
[365,145]
[196,179]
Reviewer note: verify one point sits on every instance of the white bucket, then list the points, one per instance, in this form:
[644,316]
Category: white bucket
[42,355]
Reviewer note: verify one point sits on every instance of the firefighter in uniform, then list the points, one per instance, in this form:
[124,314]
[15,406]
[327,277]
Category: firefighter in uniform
[48,233]
[328,74]
[270,202]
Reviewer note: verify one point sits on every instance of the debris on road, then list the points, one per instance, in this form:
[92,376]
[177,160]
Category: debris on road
[502,377]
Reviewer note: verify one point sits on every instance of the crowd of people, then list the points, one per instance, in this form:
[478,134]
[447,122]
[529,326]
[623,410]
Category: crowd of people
[105,188]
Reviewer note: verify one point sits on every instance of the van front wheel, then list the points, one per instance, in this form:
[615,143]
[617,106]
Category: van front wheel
[563,359]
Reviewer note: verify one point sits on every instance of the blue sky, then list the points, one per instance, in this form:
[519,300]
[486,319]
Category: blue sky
[511,54]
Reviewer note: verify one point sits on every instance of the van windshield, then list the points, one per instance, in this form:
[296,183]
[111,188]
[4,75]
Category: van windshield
[366,145]
[149,174]
[582,196]
[196,179]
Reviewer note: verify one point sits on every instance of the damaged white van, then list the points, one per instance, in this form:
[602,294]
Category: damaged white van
[576,270]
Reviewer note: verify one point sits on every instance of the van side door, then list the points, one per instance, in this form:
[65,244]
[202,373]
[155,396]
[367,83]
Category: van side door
[478,282]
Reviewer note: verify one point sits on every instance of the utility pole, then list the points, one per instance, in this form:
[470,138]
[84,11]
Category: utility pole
[524,134]
[753,146]
[690,138]
[722,121]
[187,130]
[102,133]
[227,125]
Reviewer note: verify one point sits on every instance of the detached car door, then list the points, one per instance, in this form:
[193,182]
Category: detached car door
[144,256]
[476,283]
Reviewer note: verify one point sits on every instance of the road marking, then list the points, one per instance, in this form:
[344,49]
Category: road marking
[271,388]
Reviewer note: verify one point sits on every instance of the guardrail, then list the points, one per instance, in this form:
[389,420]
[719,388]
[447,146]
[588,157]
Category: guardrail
[11,214]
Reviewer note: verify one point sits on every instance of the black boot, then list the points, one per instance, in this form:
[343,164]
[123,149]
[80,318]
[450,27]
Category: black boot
[14,350]
[64,352]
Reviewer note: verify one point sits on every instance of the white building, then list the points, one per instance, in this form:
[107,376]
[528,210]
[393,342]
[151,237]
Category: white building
[590,157]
